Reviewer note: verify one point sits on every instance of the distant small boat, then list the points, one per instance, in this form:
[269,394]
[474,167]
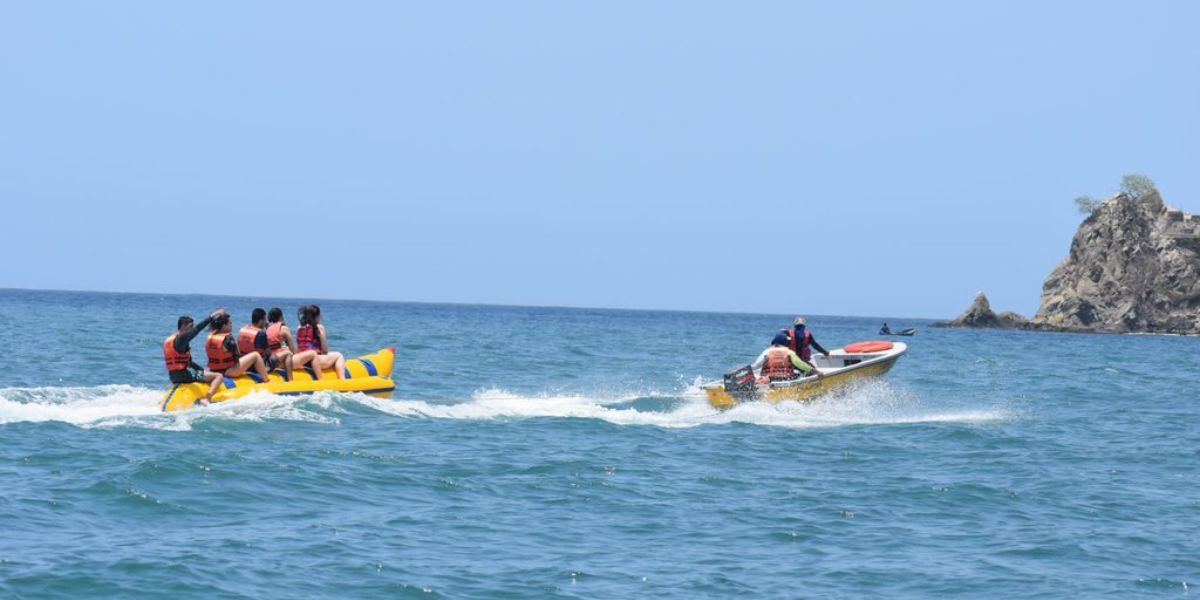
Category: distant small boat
[885,330]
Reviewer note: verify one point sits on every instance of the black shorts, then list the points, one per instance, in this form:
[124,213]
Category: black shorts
[188,376]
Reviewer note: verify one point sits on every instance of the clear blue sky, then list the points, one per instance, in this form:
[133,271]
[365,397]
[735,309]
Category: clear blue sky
[821,158]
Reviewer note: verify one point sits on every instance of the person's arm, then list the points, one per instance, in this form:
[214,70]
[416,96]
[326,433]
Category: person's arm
[812,340]
[760,361]
[285,334]
[799,363]
[324,339]
[231,345]
[260,340]
[183,341]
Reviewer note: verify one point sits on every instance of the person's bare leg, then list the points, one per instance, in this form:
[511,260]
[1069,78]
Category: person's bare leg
[260,365]
[240,368]
[303,358]
[339,364]
[214,380]
[287,365]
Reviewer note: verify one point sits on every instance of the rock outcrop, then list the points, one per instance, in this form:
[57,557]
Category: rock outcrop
[980,314]
[1133,266]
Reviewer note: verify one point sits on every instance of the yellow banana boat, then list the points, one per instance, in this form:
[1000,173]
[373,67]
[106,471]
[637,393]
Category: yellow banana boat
[841,368]
[370,374]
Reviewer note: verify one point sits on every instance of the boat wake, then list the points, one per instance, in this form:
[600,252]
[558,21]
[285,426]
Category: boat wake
[873,403]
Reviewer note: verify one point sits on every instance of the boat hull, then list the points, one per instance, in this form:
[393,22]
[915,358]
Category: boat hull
[870,366]
[370,374]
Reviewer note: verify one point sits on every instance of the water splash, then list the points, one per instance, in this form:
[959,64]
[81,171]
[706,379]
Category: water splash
[872,403]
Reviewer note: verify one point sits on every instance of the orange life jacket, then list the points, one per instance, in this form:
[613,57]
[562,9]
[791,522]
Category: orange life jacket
[219,358]
[246,337]
[306,339]
[274,336]
[176,361]
[779,365]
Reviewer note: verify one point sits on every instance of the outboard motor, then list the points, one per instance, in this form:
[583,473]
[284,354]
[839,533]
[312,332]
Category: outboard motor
[740,382]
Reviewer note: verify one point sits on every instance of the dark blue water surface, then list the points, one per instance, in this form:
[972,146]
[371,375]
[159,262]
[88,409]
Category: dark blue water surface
[544,452]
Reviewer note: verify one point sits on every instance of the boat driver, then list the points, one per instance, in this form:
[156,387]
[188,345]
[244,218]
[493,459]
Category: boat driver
[801,341]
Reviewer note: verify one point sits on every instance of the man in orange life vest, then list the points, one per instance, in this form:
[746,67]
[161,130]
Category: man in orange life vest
[801,341]
[256,338]
[177,353]
[780,363]
[222,350]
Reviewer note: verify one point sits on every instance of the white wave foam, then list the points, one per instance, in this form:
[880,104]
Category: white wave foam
[76,405]
[121,405]
[874,403]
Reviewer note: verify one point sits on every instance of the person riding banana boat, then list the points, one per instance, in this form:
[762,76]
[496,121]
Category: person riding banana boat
[780,363]
[177,353]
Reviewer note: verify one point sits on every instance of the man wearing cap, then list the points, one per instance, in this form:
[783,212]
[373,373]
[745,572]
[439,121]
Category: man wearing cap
[801,341]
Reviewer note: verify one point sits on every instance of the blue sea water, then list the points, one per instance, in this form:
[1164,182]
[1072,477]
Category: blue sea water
[547,452]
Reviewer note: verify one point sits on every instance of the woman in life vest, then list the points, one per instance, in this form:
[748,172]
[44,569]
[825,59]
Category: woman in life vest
[222,350]
[279,340]
[780,363]
[177,352]
[254,338]
[313,344]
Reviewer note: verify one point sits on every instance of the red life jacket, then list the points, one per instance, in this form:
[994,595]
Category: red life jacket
[246,337]
[219,358]
[306,339]
[176,361]
[274,336]
[804,348]
[779,365]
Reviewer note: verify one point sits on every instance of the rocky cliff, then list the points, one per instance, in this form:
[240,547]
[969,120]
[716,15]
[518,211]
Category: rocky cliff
[1134,266]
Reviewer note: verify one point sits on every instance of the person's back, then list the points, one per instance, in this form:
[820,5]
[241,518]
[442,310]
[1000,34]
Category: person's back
[308,338]
[277,340]
[223,355]
[247,336]
[781,363]
[220,356]
[313,342]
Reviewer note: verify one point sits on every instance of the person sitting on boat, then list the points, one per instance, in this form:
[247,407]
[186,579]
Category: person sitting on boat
[177,352]
[222,350]
[801,341]
[254,338]
[885,330]
[313,343]
[279,340]
[781,363]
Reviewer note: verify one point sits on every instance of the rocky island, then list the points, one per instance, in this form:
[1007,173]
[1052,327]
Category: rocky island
[1134,266]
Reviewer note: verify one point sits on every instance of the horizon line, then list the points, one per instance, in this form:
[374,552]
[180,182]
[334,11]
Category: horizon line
[453,303]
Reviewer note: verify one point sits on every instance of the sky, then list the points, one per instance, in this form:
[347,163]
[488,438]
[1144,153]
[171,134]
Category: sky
[873,159]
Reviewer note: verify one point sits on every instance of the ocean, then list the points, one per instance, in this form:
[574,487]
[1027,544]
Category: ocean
[569,453]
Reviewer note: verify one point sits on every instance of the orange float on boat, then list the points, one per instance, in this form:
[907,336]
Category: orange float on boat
[866,347]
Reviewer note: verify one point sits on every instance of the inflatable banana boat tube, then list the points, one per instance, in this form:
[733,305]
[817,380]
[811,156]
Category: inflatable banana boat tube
[370,374]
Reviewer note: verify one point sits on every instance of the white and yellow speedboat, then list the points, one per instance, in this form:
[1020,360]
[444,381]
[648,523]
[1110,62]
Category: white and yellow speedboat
[841,368]
[370,374]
